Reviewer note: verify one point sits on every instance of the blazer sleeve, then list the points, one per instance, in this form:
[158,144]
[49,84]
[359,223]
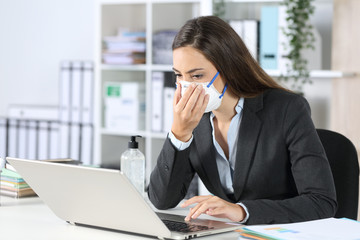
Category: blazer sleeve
[171,177]
[310,169]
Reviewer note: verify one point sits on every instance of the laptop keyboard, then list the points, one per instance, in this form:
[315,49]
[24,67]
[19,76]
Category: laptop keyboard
[184,227]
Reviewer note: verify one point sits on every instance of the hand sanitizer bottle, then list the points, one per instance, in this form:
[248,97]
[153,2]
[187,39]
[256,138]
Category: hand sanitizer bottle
[133,165]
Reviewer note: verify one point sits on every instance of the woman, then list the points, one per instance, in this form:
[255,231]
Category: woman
[255,148]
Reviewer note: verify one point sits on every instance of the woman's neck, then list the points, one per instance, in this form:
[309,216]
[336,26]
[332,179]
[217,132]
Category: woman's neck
[227,109]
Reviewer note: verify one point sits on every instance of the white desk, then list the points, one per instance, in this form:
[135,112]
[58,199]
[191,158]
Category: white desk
[30,219]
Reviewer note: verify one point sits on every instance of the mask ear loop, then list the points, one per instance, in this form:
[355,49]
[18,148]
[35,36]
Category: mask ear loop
[211,82]
[222,94]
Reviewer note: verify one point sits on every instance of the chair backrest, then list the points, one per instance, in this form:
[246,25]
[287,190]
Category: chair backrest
[344,164]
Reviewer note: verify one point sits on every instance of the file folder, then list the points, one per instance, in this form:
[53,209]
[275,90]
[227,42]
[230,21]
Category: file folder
[269,37]
[23,139]
[157,87]
[13,138]
[3,137]
[33,141]
[75,141]
[65,91]
[76,92]
[43,143]
[64,140]
[54,140]
[87,94]
[168,99]
[87,136]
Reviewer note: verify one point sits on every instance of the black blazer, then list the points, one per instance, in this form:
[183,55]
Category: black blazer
[281,172]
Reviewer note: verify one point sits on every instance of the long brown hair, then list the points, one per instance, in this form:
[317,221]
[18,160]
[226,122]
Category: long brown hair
[223,47]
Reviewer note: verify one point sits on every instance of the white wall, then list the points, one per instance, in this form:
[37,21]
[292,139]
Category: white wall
[35,36]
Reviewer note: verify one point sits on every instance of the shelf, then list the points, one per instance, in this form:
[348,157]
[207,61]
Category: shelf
[160,135]
[145,134]
[110,2]
[175,1]
[254,1]
[105,131]
[324,74]
[273,73]
[135,67]
[164,68]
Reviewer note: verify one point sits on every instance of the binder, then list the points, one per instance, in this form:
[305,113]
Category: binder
[13,138]
[87,93]
[237,25]
[23,139]
[75,141]
[76,92]
[168,99]
[157,86]
[87,135]
[65,90]
[43,142]
[3,137]
[269,37]
[283,49]
[87,109]
[250,28]
[54,140]
[33,139]
[64,136]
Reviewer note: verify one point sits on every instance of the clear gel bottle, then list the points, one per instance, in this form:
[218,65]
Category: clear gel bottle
[133,165]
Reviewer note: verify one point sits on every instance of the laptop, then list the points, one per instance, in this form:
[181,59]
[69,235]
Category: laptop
[104,198]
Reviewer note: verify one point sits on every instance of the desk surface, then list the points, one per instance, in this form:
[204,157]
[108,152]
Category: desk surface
[30,218]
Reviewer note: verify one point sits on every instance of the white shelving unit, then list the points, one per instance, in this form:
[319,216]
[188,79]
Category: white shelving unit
[152,15]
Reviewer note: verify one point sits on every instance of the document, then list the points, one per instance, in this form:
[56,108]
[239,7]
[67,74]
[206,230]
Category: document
[329,229]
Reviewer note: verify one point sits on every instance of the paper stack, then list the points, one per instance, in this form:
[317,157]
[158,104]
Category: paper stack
[329,229]
[13,185]
[162,46]
[128,47]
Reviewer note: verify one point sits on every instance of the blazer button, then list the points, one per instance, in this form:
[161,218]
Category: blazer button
[166,167]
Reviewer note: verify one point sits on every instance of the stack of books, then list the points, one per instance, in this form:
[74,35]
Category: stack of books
[13,185]
[128,47]
[162,46]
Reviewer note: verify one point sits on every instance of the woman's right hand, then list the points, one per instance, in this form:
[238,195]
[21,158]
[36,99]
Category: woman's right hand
[188,110]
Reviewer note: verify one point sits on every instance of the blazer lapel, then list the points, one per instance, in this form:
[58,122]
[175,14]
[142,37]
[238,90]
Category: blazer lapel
[205,160]
[247,141]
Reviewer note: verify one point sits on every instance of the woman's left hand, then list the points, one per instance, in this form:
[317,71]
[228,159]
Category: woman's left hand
[214,206]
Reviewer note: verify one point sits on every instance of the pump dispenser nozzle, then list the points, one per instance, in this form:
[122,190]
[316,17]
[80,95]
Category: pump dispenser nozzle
[133,143]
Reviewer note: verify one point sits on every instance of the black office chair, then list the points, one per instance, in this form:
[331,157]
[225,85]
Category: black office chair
[344,164]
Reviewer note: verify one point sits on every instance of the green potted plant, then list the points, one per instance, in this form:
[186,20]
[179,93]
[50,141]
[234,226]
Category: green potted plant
[219,8]
[300,36]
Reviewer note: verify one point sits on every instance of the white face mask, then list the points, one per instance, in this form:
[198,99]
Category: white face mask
[215,97]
